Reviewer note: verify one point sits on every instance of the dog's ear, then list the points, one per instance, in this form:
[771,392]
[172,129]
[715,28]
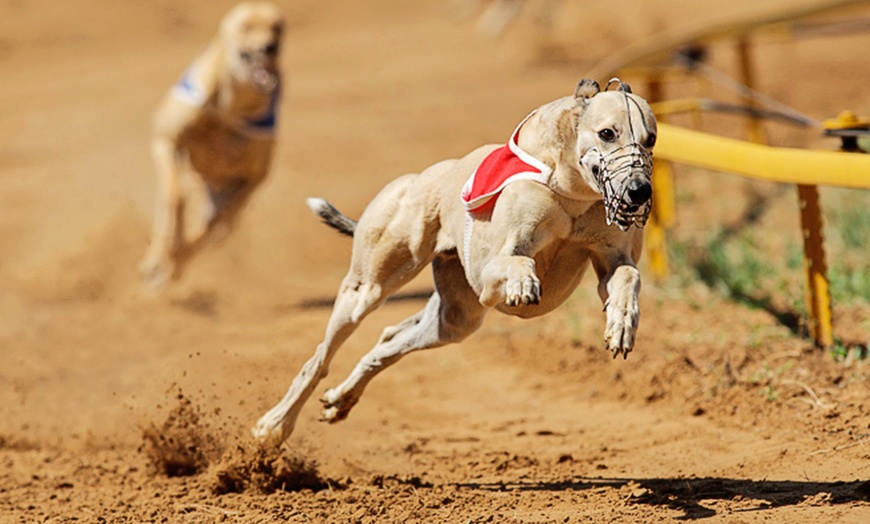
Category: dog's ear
[621,86]
[586,88]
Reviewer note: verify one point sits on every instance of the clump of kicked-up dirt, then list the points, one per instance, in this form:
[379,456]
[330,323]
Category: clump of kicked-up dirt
[266,468]
[185,444]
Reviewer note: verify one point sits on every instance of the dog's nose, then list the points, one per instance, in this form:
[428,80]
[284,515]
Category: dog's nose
[639,190]
[271,49]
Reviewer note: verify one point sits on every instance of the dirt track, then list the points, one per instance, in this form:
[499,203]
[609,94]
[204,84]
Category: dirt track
[721,413]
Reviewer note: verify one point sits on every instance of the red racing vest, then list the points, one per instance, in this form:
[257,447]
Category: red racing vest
[502,166]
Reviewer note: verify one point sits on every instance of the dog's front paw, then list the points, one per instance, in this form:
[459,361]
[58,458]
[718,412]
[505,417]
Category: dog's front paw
[523,290]
[621,328]
[511,281]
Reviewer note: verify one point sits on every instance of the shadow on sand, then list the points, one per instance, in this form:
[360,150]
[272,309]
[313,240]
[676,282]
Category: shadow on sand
[687,494]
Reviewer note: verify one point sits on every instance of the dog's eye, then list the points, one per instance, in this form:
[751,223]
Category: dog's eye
[650,141]
[608,135]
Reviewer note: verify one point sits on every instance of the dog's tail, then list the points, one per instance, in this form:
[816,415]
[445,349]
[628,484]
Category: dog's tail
[331,216]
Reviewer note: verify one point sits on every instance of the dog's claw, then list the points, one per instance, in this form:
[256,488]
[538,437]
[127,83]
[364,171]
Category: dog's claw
[523,291]
[620,340]
[617,350]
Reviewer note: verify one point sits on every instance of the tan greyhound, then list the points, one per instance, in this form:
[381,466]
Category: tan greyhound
[511,228]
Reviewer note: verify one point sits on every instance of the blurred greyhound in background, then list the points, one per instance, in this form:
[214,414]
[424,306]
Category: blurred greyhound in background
[213,137]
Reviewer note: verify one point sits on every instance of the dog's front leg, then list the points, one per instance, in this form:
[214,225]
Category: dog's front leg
[509,277]
[158,265]
[619,288]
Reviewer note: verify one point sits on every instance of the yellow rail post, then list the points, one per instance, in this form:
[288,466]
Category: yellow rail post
[755,131]
[818,294]
[662,214]
[660,218]
[818,291]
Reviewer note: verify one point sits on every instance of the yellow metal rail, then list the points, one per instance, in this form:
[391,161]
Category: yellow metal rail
[776,164]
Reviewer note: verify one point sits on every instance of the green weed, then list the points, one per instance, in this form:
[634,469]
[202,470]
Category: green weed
[847,217]
[736,265]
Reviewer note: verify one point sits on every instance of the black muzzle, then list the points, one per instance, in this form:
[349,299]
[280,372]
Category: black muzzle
[624,182]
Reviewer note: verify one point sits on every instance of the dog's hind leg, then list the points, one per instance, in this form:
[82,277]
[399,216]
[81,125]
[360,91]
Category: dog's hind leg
[390,248]
[354,301]
[158,266]
[452,313]
[217,216]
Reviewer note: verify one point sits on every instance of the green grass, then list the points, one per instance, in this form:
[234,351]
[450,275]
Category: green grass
[847,216]
[737,266]
[738,262]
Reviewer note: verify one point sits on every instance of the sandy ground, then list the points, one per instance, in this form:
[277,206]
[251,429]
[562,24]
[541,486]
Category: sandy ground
[108,393]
